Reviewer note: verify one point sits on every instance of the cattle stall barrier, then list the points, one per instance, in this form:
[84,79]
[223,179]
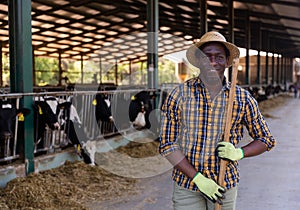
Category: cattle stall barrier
[84,104]
[52,154]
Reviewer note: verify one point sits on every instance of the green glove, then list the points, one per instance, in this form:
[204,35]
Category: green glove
[209,188]
[226,150]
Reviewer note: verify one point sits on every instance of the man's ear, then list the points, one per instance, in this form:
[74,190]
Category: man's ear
[227,61]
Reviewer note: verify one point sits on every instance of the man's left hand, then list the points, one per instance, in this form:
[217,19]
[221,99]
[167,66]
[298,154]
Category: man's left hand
[227,150]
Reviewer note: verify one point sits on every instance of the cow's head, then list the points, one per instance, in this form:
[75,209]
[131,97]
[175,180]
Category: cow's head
[63,110]
[143,98]
[8,114]
[139,109]
[46,114]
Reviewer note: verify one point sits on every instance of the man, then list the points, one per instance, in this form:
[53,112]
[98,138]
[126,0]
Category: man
[193,125]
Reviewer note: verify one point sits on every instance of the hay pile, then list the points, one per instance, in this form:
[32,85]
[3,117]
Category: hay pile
[135,160]
[138,150]
[65,187]
[268,105]
[73,185]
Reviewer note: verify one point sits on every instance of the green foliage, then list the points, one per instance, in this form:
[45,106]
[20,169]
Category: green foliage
[166,71]
[5,71]
[47,72]
[42,63]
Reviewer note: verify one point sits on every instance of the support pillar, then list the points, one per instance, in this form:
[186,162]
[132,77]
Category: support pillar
[203,17]
[20,48]
[116,72]
[278,70]
[267,68]
[60,70]
[258,78]
[152,52]
[248,41]
[273,69]
[1,66]
[230,30]
[81,68]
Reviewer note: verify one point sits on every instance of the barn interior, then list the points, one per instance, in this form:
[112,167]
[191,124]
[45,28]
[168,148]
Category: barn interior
[131,31]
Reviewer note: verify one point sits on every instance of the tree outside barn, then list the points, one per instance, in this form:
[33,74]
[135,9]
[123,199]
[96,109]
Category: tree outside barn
[47,72]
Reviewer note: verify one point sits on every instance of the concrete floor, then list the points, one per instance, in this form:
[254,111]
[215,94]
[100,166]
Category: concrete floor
[272,180]
[268,182]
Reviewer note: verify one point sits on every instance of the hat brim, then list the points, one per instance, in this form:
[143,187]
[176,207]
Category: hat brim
[194,60]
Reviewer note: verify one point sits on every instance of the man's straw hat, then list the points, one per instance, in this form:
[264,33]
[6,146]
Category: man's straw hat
[212,36]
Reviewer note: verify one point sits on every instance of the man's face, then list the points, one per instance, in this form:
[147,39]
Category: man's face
[213,62]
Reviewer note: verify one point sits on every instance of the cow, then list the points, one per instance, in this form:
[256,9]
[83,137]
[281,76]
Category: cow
[72,126]
[90,148]
[103,113]
[258,93]
[44,117]
[60,114]
[139,110]
[278,89]
[142,113]
[8,114]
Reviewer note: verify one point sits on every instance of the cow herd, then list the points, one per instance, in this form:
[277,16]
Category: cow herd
[121,110]
[262,93]
[57,115]
[50,113]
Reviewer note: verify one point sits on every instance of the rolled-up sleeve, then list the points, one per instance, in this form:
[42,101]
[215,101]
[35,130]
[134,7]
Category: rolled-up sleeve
[257,125]
[170,124]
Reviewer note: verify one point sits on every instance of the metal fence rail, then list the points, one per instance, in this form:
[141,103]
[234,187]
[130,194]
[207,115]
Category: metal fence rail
[56,140]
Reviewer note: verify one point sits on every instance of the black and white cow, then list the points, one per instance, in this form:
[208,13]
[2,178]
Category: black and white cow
[72,125]
[258,93]
[8,114]
[103,113]
[44,117]
[103,108]
[142,113]
[140,108]
[65,116]
[278,89]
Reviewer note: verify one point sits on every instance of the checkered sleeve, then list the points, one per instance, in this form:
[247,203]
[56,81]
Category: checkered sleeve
[170,124]
[257,125]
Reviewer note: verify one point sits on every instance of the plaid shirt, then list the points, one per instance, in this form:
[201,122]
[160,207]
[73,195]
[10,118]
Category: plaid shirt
[194,124]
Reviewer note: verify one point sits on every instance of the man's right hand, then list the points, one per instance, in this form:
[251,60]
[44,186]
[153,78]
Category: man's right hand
[209,188]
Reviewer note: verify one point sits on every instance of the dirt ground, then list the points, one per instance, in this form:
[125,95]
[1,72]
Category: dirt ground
[121,176]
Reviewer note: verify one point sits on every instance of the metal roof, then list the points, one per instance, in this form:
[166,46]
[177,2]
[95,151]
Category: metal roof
[117,30]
